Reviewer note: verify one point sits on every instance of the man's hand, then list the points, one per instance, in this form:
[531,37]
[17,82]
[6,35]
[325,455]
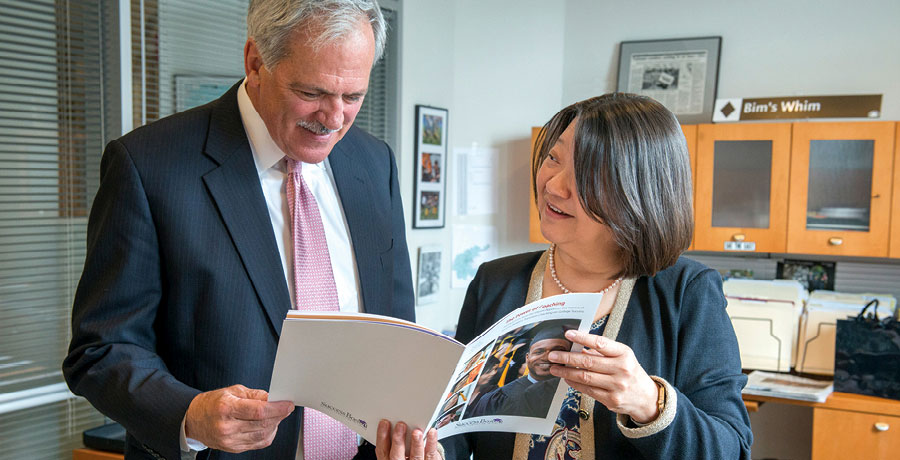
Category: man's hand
[235,419]
[392,443]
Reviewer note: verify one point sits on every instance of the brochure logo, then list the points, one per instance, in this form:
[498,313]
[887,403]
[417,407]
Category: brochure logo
[344,414]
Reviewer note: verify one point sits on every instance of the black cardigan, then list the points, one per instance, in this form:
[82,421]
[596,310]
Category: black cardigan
[676,325]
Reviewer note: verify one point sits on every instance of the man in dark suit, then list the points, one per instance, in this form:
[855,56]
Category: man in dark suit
[531,394]
[190,265]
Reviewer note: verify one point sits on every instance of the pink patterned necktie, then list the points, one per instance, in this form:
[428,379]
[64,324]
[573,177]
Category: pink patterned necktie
[323,437]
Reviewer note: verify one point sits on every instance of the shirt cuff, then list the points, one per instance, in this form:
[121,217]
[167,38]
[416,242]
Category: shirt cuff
[663,420]
[188,444]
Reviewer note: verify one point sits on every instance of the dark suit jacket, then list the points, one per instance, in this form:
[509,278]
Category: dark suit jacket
[676,325]
[521,397]
[183,289]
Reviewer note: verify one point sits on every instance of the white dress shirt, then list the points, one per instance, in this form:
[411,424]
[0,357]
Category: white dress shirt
[271,166]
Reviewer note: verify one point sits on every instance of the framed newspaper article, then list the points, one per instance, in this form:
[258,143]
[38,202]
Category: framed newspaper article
[682,74]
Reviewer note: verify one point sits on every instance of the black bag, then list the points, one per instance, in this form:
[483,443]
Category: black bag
[867,355]
[109,437]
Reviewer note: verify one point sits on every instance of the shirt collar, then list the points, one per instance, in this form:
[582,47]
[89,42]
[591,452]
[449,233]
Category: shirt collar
[266,153]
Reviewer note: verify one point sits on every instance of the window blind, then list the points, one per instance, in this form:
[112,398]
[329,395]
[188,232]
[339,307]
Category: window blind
[59,105]
[52,130]
[379,114]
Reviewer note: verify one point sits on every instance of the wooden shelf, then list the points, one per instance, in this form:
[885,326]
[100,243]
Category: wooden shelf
[91,454]
[837,401]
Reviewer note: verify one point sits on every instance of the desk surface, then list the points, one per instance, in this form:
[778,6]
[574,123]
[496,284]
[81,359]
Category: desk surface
[91,454]
[841,401]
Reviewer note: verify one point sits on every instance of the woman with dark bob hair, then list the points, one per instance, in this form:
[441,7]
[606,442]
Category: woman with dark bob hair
[660,377]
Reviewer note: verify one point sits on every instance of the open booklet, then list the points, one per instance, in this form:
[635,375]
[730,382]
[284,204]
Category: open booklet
[361,368]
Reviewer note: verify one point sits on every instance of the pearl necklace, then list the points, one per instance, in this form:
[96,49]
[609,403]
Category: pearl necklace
[559,283]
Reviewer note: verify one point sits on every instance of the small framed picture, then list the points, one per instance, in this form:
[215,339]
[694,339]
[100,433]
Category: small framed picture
[812,274]
[431,159]
[682,74]
[428,285]
[193,90]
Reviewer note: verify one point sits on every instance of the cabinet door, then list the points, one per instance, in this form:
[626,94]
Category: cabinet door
[534,219]
[895,207]
[690,136]
[839,434]
[841,188]
[742,187]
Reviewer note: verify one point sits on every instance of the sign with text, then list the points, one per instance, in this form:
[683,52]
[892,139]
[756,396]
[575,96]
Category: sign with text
[797,107]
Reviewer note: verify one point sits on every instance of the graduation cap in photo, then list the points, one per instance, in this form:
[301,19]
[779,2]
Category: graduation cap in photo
[545,331]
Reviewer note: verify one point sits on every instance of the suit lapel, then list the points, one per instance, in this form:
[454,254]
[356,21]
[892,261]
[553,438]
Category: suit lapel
[235,188]
[353,184]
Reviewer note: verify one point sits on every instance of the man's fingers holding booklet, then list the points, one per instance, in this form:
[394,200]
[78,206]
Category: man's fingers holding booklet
[235,419]
[391,444]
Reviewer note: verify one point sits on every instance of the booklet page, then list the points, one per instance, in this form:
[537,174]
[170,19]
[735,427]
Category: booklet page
[359,369]
[502,382]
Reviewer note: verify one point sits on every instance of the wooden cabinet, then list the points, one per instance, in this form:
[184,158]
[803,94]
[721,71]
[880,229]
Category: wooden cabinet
[840,188]
[894,246]
[690,136]
[741,192]
[806,188]
[854,431]
[847,426]
[534,219]
[91,454]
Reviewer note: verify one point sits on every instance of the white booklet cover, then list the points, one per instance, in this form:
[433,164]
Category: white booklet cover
[360,368]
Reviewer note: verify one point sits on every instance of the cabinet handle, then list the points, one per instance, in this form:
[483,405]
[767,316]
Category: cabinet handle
[881,426]
[835,241]
[738,237]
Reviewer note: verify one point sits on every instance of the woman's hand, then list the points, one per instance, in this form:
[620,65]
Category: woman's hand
[607,371]
[391,445]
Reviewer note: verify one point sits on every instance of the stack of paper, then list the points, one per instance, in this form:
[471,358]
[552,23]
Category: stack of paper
[788,386]
[766,320]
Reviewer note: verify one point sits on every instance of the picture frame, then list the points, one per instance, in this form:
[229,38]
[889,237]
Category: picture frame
[682,74]
[194,90]
[812,274]
[428,281]
[430,180]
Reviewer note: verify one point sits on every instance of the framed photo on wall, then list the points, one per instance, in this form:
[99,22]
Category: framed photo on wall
[428,284]
[682,74]
[194,90]
[431,158]
[812,274]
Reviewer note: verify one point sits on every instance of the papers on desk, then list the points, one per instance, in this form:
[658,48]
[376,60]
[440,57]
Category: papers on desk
[788,386]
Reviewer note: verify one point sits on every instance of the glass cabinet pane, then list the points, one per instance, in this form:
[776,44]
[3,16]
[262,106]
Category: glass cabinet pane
[840,184]
[742,178]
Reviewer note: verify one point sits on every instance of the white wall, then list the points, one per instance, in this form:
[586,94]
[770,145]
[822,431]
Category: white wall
[769,47]
[497,67]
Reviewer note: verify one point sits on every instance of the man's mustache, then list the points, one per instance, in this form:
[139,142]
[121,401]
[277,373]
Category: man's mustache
[316,127]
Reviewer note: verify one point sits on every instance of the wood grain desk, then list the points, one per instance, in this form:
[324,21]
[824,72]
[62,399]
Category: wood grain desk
[848,425]
[844,426]
[91,454]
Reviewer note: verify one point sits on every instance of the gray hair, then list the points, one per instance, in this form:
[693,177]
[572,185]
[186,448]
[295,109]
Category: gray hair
[270,24]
